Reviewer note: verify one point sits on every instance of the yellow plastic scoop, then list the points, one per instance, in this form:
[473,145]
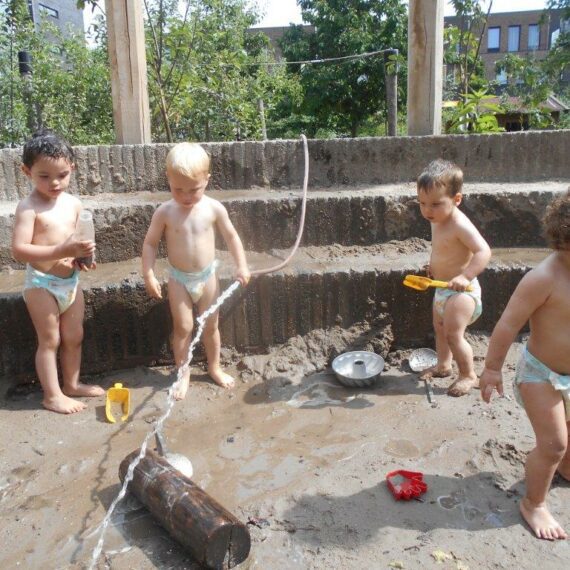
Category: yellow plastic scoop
[118,395]
[420,283]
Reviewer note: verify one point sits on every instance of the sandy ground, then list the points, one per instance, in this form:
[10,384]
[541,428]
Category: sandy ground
[299,457]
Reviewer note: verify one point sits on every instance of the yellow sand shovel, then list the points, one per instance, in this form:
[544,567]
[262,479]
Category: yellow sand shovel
[118,395]
[420,283]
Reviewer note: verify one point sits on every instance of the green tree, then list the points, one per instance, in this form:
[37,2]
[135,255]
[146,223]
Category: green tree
[68,89]
[466,85]
[340,97]
[463,47]
[207,72]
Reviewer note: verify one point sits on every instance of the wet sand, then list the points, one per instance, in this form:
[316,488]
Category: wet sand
[300,457]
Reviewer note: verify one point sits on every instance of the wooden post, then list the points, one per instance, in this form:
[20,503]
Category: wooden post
[425,66]
[391,79]
[261,109]
[214,537]
[127,58]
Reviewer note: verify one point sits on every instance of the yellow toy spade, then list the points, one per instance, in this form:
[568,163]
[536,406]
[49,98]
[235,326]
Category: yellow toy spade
[118,395]
[420,283]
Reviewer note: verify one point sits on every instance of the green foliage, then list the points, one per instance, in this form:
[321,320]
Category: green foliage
[474,114]
[340,97]
[462,50]
[206,75]
[68,90]
[563,5]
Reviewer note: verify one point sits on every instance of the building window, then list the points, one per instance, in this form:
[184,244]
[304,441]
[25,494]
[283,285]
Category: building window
[514,38]
[502,78]
[494,39]
[49,11]
[533,37]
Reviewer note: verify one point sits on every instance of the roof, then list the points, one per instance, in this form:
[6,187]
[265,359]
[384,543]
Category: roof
[514,104]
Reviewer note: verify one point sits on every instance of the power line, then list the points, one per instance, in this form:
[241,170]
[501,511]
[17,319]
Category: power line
[342,59]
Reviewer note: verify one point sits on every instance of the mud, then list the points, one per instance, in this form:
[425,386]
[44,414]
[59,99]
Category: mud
[301,356]
[301,459]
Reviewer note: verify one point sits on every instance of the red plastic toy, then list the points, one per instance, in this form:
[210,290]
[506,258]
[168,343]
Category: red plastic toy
[406,485]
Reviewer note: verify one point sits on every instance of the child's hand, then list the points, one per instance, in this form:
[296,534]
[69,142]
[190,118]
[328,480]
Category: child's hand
[83,267]
[459,283]
[243,275]
[152,286]
[489,381]
[74,248]
[427,270]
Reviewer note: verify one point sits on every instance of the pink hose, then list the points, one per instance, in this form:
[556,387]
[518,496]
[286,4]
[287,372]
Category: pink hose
[301,223]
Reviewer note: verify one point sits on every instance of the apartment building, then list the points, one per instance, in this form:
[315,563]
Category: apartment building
[62,13]
[525,34]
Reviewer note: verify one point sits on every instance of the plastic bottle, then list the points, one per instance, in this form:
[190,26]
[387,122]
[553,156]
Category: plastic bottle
[84,231]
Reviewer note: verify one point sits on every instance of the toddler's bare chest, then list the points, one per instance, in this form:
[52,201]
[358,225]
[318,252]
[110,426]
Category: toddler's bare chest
[192,229]
[54,224]
[446,243]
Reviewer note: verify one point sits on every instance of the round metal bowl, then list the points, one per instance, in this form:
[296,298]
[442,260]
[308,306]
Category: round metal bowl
[422,359]
[358,369]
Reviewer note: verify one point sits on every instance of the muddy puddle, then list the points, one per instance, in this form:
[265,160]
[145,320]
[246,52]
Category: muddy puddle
[246,446]
[302,461]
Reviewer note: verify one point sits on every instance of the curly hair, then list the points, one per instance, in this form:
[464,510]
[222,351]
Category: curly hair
[46,143]
[557,222]
[441,174]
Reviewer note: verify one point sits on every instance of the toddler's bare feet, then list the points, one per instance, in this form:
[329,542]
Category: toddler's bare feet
[436,372]
[181,387]
[462,386]
[86,390]
[221,378]
[541,522]
[63,404]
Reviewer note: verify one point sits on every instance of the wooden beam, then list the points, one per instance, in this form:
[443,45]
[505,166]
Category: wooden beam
[425,66]
[215,537]
[127,59]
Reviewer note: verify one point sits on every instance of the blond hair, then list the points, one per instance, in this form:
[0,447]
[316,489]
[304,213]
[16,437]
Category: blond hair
[441,174]
[188,159]
[557,222]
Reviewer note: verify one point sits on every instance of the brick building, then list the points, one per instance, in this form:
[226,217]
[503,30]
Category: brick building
[525,34]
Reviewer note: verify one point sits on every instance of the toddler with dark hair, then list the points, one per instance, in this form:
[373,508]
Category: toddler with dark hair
[43,238]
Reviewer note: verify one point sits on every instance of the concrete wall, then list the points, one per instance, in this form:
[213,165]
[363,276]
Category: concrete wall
[508,157]
[506,215]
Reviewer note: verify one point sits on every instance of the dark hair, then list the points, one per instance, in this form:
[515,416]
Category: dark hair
[441,174]
[557,222]
[46,143]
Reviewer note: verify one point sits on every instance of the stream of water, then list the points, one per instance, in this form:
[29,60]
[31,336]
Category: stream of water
[158,425]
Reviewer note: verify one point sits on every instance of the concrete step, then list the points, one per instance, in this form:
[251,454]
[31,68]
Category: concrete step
[508,215]
[322,287]
[505,157]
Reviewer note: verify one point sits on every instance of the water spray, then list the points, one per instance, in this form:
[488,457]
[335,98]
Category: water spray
[201,320]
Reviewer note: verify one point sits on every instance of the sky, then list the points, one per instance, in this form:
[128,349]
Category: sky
[284,12]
